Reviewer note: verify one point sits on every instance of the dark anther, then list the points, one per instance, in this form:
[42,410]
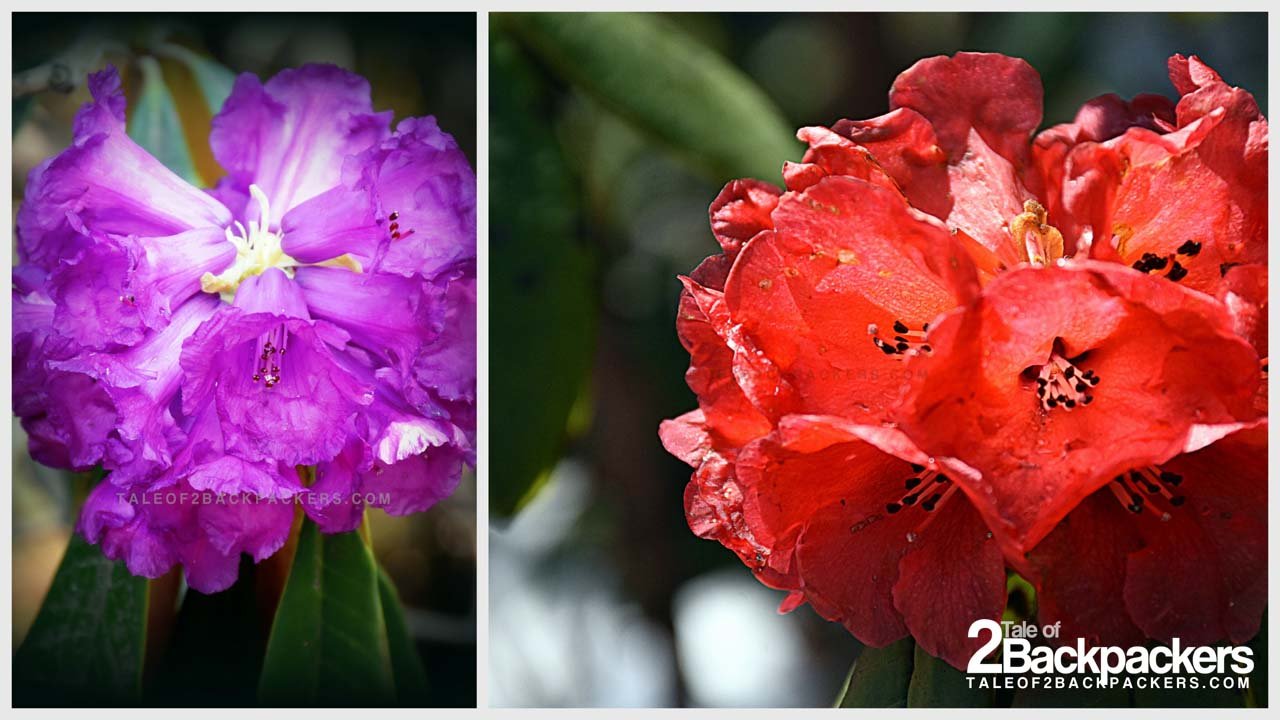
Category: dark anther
[892,508]
[1170,477]
[1069,372]
[1177,500]
[917,468]
[1177,272]
[1189,248]
[900,327]
[912,482]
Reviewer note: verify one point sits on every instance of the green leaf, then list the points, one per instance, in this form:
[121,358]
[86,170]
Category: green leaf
[215,655]
[212,78]
[542,290]
[87,644]
[328,644]
[406,665]
[155,125]
[879,677]
[669,85]
[935,684]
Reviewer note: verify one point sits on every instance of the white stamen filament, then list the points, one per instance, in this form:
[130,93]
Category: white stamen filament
[258,248]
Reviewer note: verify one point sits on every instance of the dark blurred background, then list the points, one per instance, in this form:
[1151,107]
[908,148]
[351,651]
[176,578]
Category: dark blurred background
[600,594]
[417,64]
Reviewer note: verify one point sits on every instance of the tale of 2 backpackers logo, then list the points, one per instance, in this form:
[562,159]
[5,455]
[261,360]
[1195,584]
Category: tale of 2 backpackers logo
[1103,666]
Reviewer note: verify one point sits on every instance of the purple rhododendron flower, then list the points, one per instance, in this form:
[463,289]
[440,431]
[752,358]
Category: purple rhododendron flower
[316,308]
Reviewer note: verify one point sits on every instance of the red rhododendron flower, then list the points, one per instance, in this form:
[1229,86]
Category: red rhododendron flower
[1191,563]
[942,333]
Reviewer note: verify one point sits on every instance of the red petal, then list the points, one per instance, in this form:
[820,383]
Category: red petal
[845,254]
[1000,97]
[1206,183]
[983,108]
[831,154]
[952,575]
[1203,575]
[704,328]
[1244,292]
[740,211]
[1149,340]
[904,144]
[1079,573]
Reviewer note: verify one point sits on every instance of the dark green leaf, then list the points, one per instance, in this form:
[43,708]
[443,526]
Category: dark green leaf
[410,675]
[669,85]
[879,678]
[87,644]
[328,644]
[215,655]
[542,292]
[154,123]
[934,684]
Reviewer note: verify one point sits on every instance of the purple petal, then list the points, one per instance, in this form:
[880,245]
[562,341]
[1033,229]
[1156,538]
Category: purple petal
[292,136]
[106,183]
[296,408]
[391,316]
[407,207]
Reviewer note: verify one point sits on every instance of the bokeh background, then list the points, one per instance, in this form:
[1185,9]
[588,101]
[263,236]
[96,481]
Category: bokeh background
[417,64]
[602,172]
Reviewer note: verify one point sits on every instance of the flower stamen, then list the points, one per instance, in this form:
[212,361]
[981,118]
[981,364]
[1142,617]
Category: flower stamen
[1061,384]
[930,488]
[905,343]
[1175,263]
[259,248]
[1128,490]
[394,227]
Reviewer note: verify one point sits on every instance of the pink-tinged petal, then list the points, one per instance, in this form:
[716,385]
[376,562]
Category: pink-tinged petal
[291,136]
[1149,342]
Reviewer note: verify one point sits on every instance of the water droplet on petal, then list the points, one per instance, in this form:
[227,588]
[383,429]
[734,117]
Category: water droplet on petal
[911,537]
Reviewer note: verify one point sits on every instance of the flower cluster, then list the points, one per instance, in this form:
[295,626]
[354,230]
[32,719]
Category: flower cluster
[315,310]
[951,347]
